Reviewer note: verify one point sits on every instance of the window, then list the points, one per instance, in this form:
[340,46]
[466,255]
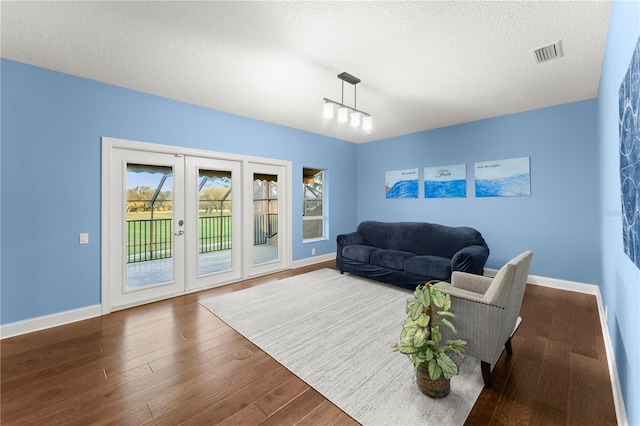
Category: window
[313,204]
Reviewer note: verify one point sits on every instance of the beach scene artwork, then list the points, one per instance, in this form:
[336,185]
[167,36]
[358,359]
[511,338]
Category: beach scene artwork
[401,183]
[629,96]
[445,181]
[503,178]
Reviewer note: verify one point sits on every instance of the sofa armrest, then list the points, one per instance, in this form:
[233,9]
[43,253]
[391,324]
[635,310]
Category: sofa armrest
[350,239]
[477,284]
[470,259]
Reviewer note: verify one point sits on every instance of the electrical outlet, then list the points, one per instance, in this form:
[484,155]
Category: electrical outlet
[313,251]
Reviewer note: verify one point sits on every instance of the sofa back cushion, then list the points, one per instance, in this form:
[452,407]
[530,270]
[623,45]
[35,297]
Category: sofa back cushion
[421,238]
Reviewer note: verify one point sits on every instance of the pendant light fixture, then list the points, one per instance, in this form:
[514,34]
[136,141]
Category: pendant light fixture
[345,113]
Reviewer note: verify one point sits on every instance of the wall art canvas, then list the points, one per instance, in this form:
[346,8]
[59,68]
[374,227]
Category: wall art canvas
[445,181]
[503,178]
[629,96]
[401,183]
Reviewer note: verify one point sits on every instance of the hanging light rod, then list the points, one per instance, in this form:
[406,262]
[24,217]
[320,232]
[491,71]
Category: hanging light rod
[366,114]
[359,118]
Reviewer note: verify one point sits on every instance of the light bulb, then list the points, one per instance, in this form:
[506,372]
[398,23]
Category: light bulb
[343,115]
[366,123]
[328,110]
[356,119]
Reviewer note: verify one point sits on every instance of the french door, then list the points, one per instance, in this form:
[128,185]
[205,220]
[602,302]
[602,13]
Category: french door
[175,222]
[148,225]
[214,242]
[263,209]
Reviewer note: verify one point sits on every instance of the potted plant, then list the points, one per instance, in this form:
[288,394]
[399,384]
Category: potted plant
[421,340]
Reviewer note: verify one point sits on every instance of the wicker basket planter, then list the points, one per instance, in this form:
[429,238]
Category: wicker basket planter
[432,388]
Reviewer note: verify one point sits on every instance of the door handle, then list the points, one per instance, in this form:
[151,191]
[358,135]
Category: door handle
[181,232]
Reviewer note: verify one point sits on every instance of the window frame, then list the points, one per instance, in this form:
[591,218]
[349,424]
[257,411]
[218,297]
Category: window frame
[322,199]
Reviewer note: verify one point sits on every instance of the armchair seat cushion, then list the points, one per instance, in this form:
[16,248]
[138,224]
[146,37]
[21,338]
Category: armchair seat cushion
[430,266]
[394,259]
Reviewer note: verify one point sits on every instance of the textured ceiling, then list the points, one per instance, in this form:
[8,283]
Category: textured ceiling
[423,65]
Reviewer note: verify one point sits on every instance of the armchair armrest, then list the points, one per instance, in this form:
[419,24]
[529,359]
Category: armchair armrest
[470,282]
[470,259]
[460,292]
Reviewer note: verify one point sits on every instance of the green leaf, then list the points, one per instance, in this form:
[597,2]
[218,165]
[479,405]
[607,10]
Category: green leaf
[419,338]
[448,324]
[428,354]
[449,368]
[422,294]
[407,349]
[407,340]
[434,370]
[456,346]
[436,336]
[438,297]
[447,302]
[423,320]
[408,322]
[415,309]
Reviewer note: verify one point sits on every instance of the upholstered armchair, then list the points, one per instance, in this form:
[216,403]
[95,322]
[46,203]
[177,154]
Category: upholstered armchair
[487,310]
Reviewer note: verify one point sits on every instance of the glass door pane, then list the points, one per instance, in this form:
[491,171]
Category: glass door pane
[214,225]
[265,218]
[149,210]
[266,211]
[215,219]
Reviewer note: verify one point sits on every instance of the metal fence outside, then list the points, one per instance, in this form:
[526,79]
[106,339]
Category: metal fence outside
[153,239]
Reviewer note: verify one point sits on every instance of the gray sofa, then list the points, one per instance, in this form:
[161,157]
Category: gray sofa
[410,253]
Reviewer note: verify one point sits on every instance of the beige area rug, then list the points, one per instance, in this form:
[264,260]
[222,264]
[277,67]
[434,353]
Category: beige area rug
[335,332]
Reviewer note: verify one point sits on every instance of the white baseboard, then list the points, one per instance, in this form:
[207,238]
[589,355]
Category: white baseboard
[618,400]
[47,321]
[313,260]
[594,290]
[554,283]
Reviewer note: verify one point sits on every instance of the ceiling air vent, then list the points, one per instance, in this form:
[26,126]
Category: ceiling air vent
[548,53]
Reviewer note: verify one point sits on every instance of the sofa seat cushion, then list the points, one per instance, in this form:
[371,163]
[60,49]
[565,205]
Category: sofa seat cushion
[429,266]
[358,253]
[393,259]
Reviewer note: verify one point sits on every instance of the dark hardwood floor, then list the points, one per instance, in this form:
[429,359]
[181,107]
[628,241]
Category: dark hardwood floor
[173,362]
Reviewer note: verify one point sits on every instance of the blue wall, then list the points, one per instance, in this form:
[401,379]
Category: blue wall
[620,278]
[559,221]
[50,176]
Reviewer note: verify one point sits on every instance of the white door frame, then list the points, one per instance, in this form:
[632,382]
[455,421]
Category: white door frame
[109,144]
